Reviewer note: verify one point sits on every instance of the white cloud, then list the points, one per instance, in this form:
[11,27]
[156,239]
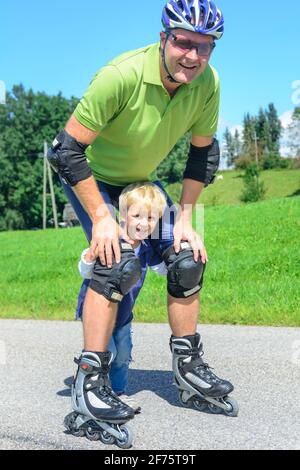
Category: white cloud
[238,128]
[286,118]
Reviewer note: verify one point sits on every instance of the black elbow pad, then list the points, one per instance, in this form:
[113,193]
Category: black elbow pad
[203,163]
[67,158]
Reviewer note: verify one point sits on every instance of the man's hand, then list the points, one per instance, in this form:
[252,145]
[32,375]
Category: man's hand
[106,236]
[183,230]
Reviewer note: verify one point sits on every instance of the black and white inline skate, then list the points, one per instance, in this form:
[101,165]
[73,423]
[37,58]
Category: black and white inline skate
[198,386]
[98,411]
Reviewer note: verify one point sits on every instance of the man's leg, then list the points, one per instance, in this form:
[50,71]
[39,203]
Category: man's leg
[99,318]
[99,314]
[193,376]
[183,315]
[92,397]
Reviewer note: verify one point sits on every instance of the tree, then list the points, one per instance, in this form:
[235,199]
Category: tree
[294,132]
[232,147]
[249,132]
[229,153]
[275,128]
[172,167]
[254,189]
[261,139]
[237,145]
[26,121]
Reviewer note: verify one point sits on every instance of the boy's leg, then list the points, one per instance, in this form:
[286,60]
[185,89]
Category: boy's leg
[99,318]
[119,371]
[122,338]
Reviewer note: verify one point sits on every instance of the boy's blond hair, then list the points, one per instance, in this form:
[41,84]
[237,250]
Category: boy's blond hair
[146,194]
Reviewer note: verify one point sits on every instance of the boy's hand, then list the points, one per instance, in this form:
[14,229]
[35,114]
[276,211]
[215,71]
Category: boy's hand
[89,256]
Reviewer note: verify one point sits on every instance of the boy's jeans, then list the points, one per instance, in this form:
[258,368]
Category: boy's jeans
[121,346]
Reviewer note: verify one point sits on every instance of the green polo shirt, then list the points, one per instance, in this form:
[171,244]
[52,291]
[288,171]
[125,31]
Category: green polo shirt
[139,123]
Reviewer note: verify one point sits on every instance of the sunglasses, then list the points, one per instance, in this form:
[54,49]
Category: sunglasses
[202,48]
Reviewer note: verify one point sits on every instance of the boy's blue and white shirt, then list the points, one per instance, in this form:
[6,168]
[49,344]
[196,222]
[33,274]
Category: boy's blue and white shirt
[147,257]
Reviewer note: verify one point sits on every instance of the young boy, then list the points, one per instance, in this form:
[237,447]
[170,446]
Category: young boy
[141,206]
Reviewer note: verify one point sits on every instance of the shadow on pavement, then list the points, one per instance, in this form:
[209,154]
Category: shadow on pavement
[156,381]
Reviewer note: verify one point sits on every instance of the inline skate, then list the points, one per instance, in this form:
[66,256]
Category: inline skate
[98,412]
[198,386]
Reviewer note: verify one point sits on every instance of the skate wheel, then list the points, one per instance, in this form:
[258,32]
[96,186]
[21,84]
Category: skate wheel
[126,441]
[92,435]
[77,432]
[233,407]
[200,405]
[69,423]
[107,438]
[214,409]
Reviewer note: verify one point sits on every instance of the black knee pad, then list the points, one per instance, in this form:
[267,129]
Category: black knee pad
[113,283]
[185,276]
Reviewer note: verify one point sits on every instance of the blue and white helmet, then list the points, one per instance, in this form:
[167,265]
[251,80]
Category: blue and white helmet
[199,16]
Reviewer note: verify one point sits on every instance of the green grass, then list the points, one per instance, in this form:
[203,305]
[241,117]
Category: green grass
[278,183]
[253,274]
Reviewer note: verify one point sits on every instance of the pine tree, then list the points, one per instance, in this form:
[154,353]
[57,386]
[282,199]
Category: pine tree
[294,132]
[254,189]
[275,127]
[237,145]
[229,150]
[249,132]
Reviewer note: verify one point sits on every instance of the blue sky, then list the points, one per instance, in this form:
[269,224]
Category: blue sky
[56,46]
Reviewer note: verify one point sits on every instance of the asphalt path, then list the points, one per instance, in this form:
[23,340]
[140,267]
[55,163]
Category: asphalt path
[36,368]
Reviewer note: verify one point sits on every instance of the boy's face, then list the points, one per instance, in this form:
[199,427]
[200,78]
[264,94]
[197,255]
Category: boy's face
[140,221]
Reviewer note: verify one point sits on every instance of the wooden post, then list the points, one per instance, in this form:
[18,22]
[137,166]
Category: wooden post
[47,169]
[45,189]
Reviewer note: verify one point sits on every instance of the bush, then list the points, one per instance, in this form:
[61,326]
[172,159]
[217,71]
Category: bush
[294,163]
[243,162]
[254,189]
[272,160]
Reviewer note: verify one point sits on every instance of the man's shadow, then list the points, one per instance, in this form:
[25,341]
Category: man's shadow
[159,382]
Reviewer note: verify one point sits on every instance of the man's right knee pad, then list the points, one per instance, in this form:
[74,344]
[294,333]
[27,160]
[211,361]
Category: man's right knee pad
[185,275]
[113,283]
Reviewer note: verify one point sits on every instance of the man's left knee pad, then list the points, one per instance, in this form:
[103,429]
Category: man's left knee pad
[185,275]
[115,282]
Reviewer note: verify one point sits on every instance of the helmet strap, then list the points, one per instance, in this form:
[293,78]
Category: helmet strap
[163,54]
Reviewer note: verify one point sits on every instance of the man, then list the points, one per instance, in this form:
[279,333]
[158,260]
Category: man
[134,111]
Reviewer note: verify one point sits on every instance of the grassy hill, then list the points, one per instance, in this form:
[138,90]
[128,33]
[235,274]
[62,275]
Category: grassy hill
[253,274]
[278,183]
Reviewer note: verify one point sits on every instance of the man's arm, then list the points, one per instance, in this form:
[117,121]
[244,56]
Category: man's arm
[105,235]
[191,190]
[87,190]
